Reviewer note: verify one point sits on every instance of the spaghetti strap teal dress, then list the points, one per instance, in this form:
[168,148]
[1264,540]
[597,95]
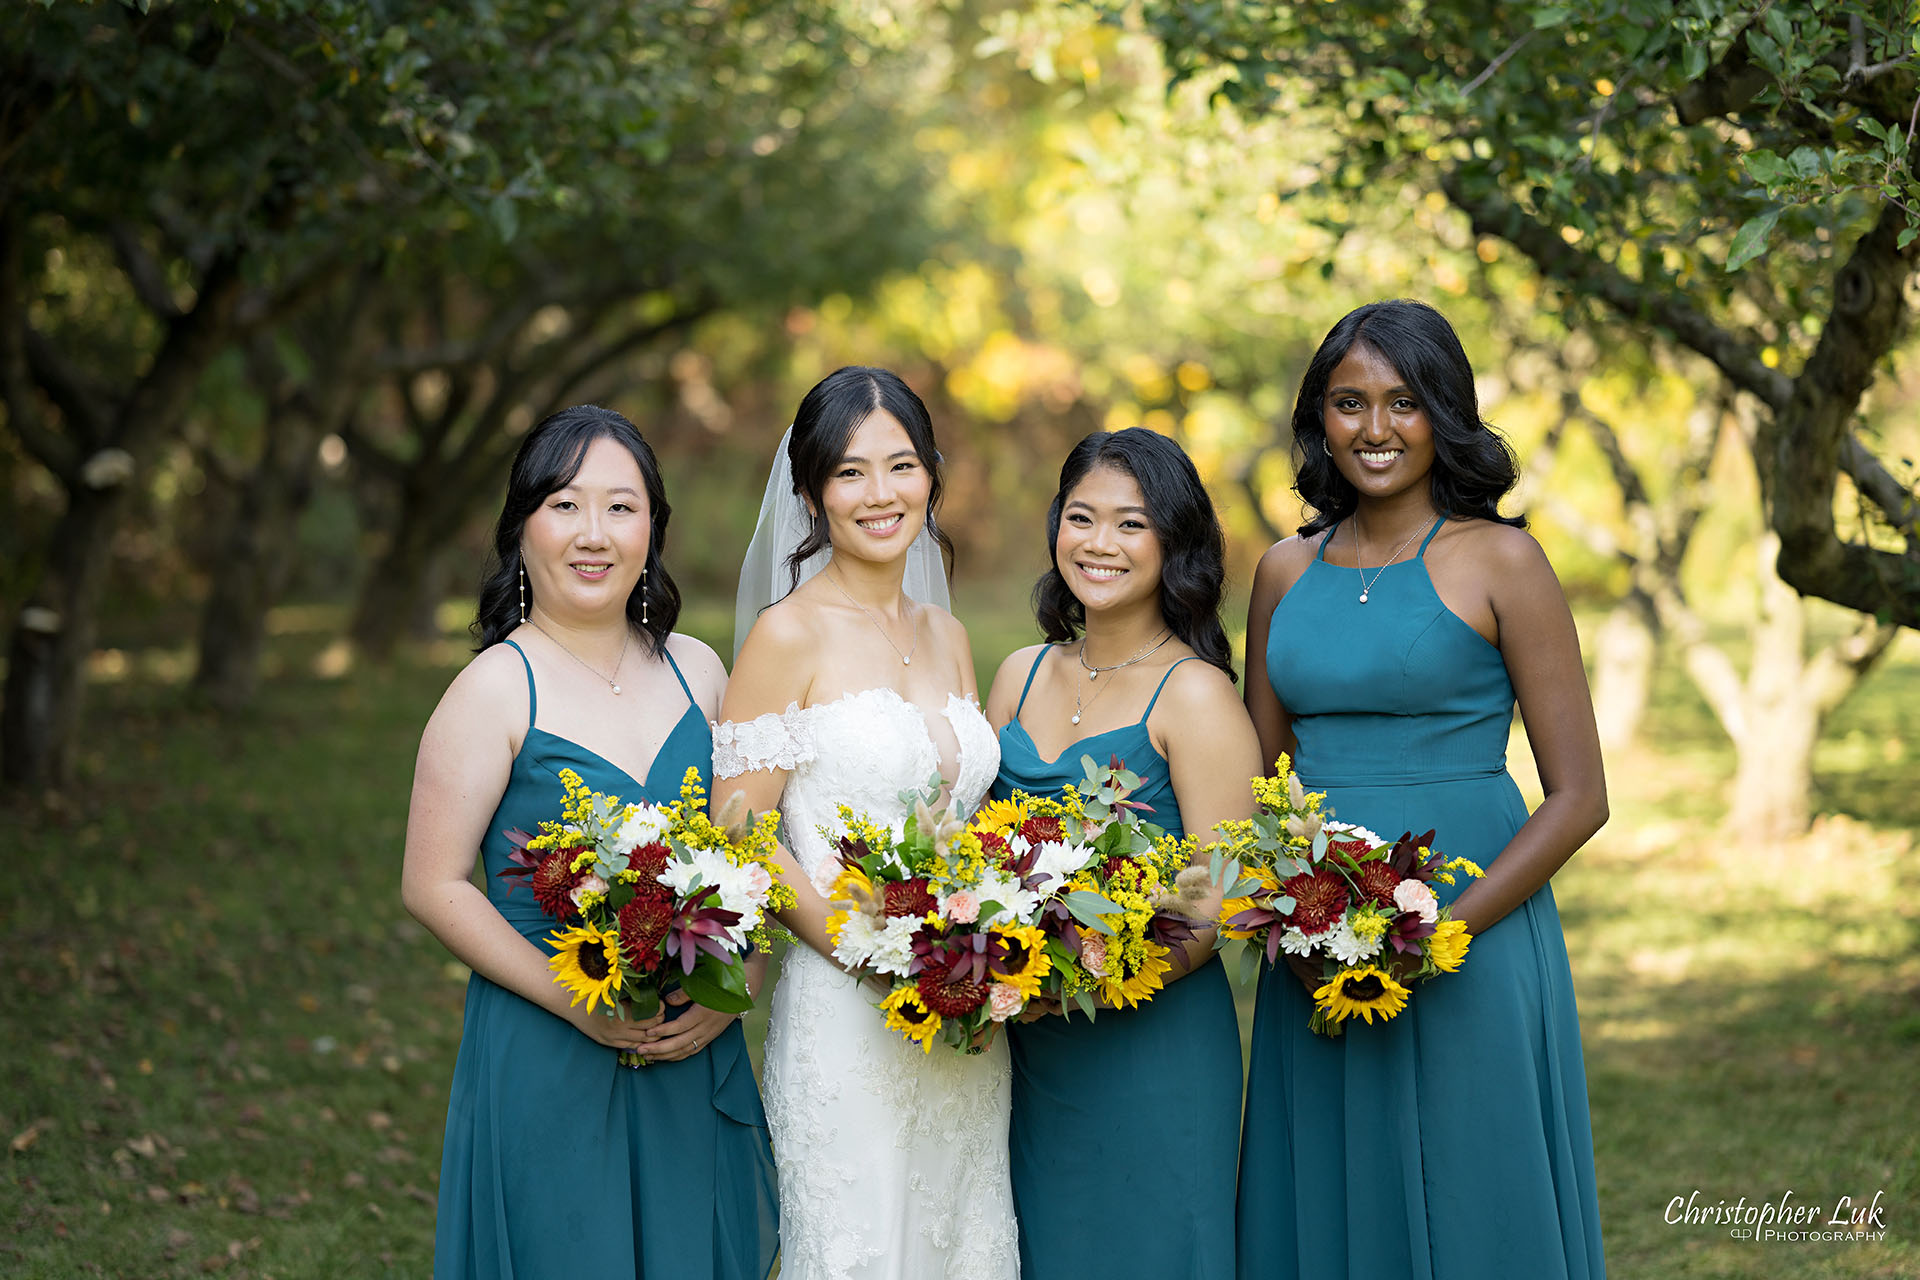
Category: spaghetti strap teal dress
[559,1163]
[1451,1142]
[1124,1129]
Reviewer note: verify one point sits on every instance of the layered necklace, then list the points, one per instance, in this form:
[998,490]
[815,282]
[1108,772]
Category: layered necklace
[906,659]
[1093,672]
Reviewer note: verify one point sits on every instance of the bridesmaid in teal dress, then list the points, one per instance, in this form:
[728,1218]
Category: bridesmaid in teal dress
[1125,1129]
[1399,629]
[558,1162]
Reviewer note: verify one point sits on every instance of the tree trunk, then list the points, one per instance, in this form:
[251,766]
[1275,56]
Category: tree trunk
[1772,791]
[394,593]
[51,640]
[1624,654]
[254,559]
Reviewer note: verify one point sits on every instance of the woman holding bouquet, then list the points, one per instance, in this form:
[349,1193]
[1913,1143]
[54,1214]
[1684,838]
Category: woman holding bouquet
[853,685]
[559,1162]
[1144,1102]
[1399,630]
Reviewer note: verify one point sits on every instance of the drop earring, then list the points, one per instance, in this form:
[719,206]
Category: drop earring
[523,593]
[643,595]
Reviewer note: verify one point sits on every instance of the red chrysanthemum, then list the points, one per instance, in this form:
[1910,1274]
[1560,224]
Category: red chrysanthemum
[649,860]
[1042,828]
[554,880]
[1377,881]
[996,848]
[950,997]
[1352,848]
[907,898]
[1319,899]
[643,924]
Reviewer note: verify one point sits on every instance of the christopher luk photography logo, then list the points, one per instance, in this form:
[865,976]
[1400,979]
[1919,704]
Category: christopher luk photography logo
[1785,1217]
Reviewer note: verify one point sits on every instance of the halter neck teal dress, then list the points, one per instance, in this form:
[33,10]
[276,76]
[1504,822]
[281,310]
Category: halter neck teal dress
[1452,1142]
[559,1163]
[1124,1129]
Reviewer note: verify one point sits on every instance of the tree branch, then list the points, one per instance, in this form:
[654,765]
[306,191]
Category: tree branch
[143,273]
[1834,672]
[1739,359]
[88,419]
[1799,447]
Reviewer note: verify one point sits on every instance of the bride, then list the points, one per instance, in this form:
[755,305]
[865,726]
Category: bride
[855,686]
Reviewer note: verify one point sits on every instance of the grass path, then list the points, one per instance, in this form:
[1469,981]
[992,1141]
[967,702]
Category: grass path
[227,1048]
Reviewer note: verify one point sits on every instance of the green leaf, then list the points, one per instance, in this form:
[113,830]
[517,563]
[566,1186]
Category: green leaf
[1751,240]
[1906,236]
[1764,167]
[1550,16]
[718,986]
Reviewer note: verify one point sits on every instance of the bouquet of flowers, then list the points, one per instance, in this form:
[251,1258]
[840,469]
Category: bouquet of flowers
[967,922]
[1304,884]
[1118,894]
[651,896]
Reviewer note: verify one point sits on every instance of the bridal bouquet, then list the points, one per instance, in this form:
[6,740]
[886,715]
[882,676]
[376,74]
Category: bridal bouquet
[1304,884]
[651,896]
[936,915]
[1118,894]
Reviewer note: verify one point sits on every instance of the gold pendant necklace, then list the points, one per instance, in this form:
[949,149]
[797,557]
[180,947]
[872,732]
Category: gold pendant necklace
[625,641]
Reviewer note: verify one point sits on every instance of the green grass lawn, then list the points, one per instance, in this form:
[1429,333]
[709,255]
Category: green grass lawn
[227,1048]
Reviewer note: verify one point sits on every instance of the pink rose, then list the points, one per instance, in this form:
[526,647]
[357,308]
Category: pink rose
[591,883]
[1093,954]
[962,907]
[1004,1001]
[1414,896]
[758,881]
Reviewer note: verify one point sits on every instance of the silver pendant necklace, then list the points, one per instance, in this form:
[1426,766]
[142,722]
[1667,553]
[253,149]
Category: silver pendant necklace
[906,659]
[1366,586]
[625,641]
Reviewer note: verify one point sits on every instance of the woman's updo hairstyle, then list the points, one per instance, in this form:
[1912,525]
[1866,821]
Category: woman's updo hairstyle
[824,423]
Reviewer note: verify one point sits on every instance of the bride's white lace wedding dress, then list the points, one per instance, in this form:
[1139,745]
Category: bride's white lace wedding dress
[892,1161]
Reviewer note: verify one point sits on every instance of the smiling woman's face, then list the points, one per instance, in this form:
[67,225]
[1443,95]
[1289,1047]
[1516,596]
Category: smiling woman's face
[1377,429]
[586,545]
[1107,549]
[876,496]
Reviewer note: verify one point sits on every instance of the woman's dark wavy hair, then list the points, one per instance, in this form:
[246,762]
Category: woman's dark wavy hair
[548,460]
[1473,467]
[823,424]
[1193,573]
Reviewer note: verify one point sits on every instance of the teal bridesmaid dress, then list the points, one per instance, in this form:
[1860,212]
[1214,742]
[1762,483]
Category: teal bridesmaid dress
[1452,1142]
[1124,1129]
[559,1163]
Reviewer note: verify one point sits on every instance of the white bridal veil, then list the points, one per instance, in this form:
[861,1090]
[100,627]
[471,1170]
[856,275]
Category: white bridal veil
[782,526]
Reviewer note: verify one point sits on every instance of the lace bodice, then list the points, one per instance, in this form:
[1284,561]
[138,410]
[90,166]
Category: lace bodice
[861,750]
[893,1163]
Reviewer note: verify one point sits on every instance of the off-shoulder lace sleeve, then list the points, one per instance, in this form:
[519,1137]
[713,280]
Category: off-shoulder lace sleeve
[766,742]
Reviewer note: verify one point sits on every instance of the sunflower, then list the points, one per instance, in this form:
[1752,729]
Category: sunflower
[1127,984]
[586,961]
[1448,946]
[908,1014]
[999,816]
[1018,957]
[1364,992]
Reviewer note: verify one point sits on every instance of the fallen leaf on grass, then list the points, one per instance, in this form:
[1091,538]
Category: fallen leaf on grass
[25,1139]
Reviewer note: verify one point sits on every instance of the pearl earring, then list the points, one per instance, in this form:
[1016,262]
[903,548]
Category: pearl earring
[523,593]
[643,595]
